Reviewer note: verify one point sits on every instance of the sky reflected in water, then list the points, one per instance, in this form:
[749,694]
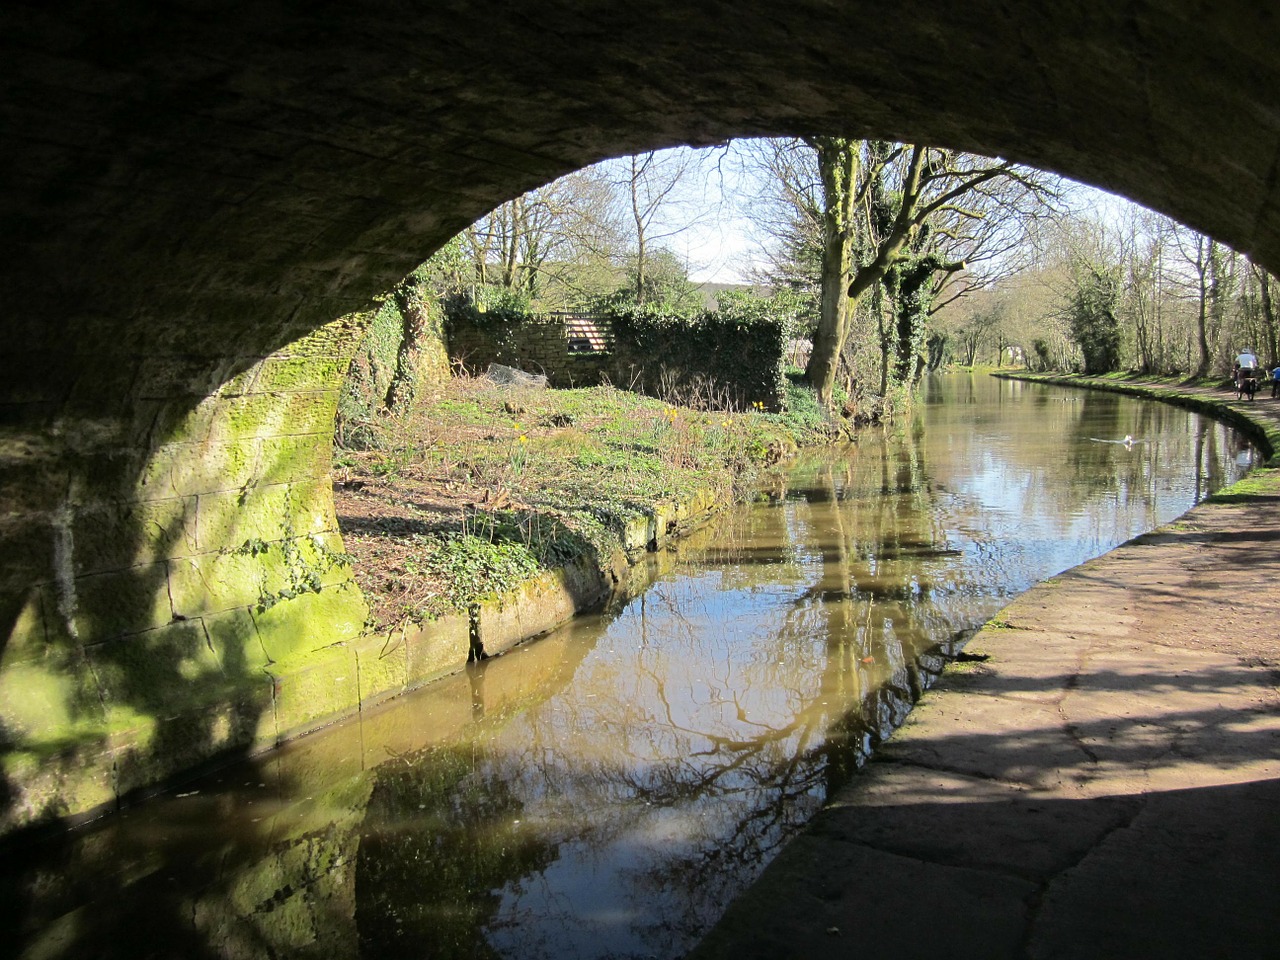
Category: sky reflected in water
[606,791]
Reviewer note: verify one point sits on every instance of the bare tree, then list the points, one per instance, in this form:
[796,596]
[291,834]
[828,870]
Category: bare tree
[787,212]
[975,321]
[553,237]
[1258,295]
[916,225]
[662,192]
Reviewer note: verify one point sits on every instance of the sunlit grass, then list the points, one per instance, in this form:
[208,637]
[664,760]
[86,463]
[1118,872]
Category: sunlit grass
[483,485]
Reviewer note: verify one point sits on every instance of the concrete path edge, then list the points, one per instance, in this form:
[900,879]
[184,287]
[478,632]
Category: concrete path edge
[1100,776]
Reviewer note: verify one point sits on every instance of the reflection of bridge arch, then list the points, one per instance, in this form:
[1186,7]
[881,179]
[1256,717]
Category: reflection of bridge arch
[193,195]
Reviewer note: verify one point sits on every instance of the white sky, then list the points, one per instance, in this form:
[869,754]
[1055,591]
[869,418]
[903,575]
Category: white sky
[712,234]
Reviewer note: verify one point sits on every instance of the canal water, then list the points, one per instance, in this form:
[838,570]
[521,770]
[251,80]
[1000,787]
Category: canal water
[606,791]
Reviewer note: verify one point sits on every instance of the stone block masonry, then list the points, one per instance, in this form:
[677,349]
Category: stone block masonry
[204,609]
[700,363]
[188,198]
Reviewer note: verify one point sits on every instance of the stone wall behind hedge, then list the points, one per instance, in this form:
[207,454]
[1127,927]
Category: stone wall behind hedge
[711,360]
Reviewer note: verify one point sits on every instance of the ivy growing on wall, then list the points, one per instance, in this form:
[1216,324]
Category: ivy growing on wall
[731,357]
[402,346]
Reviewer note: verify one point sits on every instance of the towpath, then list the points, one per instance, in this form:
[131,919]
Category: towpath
[1099,778]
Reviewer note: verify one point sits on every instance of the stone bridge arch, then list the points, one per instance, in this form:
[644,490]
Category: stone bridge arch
[195,193]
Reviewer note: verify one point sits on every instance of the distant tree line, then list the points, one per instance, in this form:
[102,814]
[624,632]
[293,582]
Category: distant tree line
[1124,289]
[897,258]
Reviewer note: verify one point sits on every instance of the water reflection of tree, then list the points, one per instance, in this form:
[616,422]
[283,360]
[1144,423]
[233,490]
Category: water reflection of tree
[747,758]
[704,757]
[442,834]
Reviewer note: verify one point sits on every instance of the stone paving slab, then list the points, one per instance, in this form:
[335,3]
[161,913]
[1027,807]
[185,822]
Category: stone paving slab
[1105,783]
[827,913]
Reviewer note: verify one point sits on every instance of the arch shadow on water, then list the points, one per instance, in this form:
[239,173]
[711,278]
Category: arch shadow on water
[608,790]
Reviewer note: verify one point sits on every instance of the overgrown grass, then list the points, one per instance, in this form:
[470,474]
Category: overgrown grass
[482,486]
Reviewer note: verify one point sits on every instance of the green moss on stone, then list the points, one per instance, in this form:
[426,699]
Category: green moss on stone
[234,638]
[299,625]
[121,534]
[287,374]
[384,667]
[314,688]
[215,582]
[186,469]
[273,414]
[75,778]
[160,672]
[125,601]
[265,513]
[50,702]
[294,459]
[436,648]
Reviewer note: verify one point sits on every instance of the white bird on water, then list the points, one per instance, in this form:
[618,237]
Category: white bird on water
[1128,441]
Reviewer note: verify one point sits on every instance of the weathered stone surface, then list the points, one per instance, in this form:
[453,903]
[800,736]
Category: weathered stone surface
[48,694]
[437,648]
[106,605]
[537,606]
[383,663]
[223,521]
[183,469]
[171,704]
[293,458]
[122,534]
[63,784]
[234,638]
[311,621]
[166,376]
[314,688]
[148,750]
[274,414]
[279,510]
[187,199]
[214,582]
[298,374]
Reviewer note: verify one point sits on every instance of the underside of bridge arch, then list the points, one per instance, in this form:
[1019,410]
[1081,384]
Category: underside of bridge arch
[199,196]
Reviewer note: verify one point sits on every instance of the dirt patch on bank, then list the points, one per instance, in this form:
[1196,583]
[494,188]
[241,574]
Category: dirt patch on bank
[482,484]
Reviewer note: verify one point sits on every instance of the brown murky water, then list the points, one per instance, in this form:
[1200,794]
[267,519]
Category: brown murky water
[605,791]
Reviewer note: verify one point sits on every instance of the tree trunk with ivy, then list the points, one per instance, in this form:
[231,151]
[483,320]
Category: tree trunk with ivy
[910,287]
[404,381]
[838,164]
[890,205]
[888,243]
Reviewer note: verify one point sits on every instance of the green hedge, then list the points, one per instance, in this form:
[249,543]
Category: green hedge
[730,358]
[727,358]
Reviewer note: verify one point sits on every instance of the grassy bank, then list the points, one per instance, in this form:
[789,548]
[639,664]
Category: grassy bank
[482,486]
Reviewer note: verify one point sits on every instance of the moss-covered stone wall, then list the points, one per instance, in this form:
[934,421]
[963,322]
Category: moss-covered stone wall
[401,353]
[188,195]
[201,607]
[189,614]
